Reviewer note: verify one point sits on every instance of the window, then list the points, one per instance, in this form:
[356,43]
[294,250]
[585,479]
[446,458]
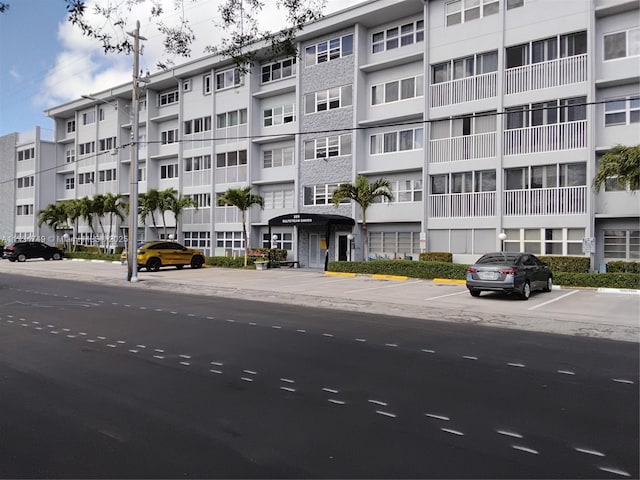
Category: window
[546,176]
[25,182]
[397,90]
[328,99]
[231,240]
[231,159]
[231,119]
[465,67]
[202,200]
[278,198]
[69,183]
[277,157]
[623,111]
[325,147]
[461,11]
[106,144]
[396,37]
[546,113]
[24,210]
[464,182]
[197,239]
[186,85]
[142,174]
[70,155]
[169,136]
[397,141]
[206,84]
[279,115]
[86,178]
[514,4]
[87,148]
[278,70]
[27,154]
[404,191]
[622,44]
[622,244]
[320,194]
[194,164]
[197,125]
[168,98]
[71,126]
[108,175]
[89,117]
[228,78]
[169,171]
[329,50]
[284,241]
[560,46]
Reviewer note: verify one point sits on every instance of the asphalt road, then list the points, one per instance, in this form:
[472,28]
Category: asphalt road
[105,381]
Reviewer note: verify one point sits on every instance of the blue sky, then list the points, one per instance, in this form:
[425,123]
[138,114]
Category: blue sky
[45,61]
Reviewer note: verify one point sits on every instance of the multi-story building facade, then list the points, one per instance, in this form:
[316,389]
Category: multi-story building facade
[486,116]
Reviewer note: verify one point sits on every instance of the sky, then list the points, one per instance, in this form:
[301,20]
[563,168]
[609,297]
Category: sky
[45,61]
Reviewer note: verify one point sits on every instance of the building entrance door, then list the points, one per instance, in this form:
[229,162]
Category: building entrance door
[317,250]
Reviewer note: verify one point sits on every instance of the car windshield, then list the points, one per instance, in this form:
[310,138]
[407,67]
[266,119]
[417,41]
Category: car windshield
[497,258]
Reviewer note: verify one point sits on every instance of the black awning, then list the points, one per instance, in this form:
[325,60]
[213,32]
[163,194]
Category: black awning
[310,220]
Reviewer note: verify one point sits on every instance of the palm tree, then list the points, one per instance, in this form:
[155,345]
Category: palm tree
[176,204]
[243,199]
[149,203]
[73,209]
[113,206]
[88,213]
[364,194]
[54,216]
[166,197]
[621,162]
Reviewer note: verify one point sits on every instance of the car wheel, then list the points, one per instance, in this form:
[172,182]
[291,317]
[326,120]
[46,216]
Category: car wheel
[197,262]
[22,257]
[56,256]
[179,267]
[526,290]
[153,265]
[474,292]
[549,285]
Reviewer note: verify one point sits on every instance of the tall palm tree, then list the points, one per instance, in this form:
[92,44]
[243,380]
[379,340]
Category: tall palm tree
[114,206]
[149,203]
[88,214]
[364,194]
[73,209]
[243,199]
[166,197]
[176,204]
[621,162]
[53,215]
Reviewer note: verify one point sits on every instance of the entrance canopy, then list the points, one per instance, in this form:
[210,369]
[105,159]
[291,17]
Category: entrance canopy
[310,220]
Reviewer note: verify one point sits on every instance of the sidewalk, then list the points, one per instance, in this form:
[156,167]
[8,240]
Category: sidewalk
[570,312]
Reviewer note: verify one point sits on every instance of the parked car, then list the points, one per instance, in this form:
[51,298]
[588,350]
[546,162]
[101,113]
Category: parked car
[21,251]
[509,272]
[153,255]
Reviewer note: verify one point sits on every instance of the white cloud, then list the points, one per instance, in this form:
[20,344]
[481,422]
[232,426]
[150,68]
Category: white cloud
[15,74]
[82,67]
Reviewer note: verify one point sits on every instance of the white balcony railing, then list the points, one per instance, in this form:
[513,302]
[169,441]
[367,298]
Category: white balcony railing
[546,201]
[107,187]
[228,215]
[464,90]
[196,216]
[466,147]
[198,140]
[196,178]
[546,138]
[231,174]
[459,205]
[536,76]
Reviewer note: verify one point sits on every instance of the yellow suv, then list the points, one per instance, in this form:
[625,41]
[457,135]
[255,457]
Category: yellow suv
[153,255]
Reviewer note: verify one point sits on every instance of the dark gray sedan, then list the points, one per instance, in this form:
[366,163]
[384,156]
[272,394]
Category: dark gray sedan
[509,272]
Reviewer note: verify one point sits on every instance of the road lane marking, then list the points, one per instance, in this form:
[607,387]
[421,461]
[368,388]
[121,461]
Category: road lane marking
[120,341]
[250,372]
[327,335]
[566,372]
[90,340]
[159,357]
[101,338]
[378,402]
[518,365]
[253,324]
[393,345]
[215,371]
[217,364]
[287,380]
[426,350]
[469,357]
[230,320]
[288,389]
[383,286]
[509,433]
[246,379]
[622,380]
[589,451]
[330,390]
[300,330]
[141,346]
[437,417]
[525,449]
[134,350]
[111,345]
[444,296]
[615,470]
[362,340]
[185,356]
[186,364]
[159,350]
[210,318]
[191,315]
[553,300]
[386,414]
[453,432]
[276,326]
[337,402]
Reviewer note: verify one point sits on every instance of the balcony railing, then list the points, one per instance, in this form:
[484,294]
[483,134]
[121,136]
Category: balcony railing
[546,201]
[228,215]
[196,178]
[464,90]
[536,76]
[198,140]
[459,205]
[467,147]
[546,138]
[231,174]
[196,216]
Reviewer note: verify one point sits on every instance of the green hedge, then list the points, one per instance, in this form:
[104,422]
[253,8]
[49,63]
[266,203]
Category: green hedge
[598,280]
[436,257]
[229,262]
[93,256]
[623,267]
[567,264]
[409,268]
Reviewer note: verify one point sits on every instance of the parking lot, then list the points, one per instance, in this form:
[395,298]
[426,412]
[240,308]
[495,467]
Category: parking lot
[586,312]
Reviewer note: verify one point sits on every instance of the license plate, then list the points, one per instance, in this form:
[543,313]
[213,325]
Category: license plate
[488,275]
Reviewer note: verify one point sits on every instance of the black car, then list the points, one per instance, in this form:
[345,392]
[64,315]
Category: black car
[509,272]
[21,251]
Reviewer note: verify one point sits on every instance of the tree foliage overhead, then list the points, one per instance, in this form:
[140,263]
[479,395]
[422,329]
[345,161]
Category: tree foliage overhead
[239,19]
[4,7]
[620,162]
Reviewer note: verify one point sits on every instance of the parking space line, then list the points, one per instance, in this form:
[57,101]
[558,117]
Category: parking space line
[447,295]
[553,300]
[383,286]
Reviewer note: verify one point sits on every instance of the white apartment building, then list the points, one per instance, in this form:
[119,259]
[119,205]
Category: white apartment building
[486,116]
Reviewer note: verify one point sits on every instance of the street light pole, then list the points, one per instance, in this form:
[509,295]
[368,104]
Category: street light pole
[132,247]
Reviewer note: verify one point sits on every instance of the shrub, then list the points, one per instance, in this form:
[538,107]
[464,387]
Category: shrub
[229,262]
[112,257]
[623,267]
[598,280]
[567,264]
[409,268]
[436,257]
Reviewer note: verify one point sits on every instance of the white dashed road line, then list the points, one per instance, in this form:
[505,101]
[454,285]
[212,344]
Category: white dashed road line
[525,449]
[509,433]
[437,417]
[453,432]
[554,300]
[589,451]
[615,470]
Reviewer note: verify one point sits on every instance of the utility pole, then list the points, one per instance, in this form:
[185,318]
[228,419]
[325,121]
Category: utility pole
[132,244]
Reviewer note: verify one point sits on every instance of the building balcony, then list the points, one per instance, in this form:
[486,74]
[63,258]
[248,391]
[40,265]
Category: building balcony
[546,201]
[461,205]
[197,178]
[546,138]
[234,174]
[198,140]
[561,71]
[199,216]
[464,90]
[467,147]
[228,215]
